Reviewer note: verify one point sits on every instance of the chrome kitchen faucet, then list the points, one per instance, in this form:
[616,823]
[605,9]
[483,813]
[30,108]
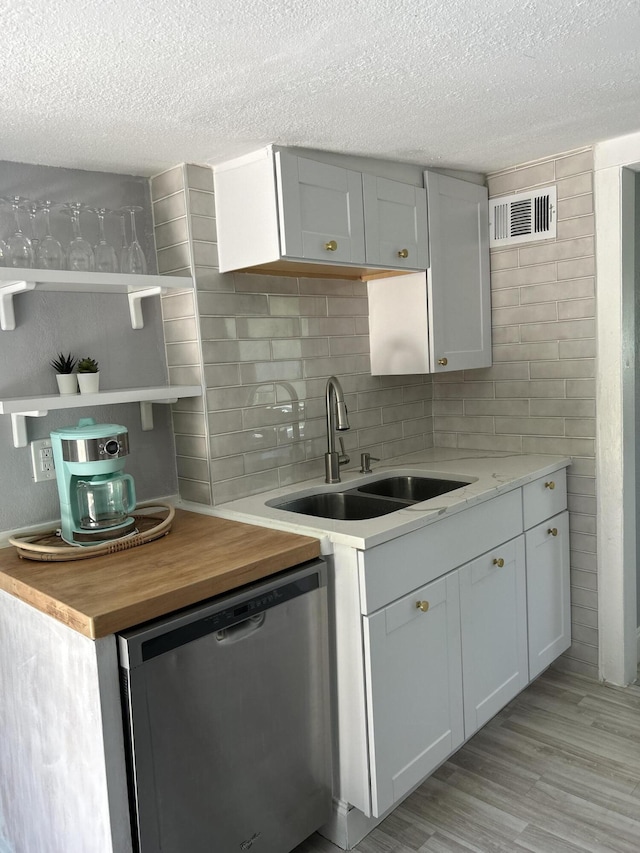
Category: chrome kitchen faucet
[335,408]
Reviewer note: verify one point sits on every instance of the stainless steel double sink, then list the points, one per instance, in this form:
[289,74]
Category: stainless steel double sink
[372,499]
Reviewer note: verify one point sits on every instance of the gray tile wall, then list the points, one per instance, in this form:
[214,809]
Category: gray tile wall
[264,347]
[170,193]
[539,396]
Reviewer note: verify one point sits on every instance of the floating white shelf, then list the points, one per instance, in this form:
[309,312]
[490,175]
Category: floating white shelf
[137,287]
[21,408]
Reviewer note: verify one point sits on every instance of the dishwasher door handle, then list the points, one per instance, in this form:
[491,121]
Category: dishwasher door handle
[237,632]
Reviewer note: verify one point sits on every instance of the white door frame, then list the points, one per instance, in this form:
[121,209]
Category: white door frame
[614,193]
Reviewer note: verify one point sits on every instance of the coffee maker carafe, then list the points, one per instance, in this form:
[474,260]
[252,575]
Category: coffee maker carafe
[96,496]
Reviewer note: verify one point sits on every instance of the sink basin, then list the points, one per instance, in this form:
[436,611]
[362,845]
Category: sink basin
[412,488]
[341,505]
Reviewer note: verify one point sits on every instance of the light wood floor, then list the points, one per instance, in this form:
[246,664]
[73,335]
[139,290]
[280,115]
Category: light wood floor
[557,771]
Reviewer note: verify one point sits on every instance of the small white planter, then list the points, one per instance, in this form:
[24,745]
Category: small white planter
[67,383]
[89,383]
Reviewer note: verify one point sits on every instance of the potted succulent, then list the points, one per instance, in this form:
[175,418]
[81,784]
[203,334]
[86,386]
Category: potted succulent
[88,375]
[66,378]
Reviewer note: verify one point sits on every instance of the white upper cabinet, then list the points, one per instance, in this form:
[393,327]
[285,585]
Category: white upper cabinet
[438,321]
[458,277]
[320,210]
[395,217]
[289,215]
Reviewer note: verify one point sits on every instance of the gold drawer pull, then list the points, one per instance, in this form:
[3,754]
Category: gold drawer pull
[499,562]
[403,253]
[443,362]
[553,531]
[422,605]
[331,246]
[550,485]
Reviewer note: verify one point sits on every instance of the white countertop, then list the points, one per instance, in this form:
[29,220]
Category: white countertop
[492,475]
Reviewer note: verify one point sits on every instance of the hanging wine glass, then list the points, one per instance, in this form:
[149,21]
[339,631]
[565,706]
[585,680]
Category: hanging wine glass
[106,259]
[32,208]
[136,261]
[79,252]
[49,253]
[124,249]
[20,252]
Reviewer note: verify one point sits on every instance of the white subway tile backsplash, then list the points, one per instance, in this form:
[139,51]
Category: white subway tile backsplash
[180,354]
[569,289]
[171,233]
[576,308]
[203,228]
[220,328]
[189,424]
[191,445]
[268,327]
[167,183]
[173,258]
[577,185]
[530,426]
[217,375]
[195,491]
[218,352]
[574,164]
[181,330]
[268,371]
[205,254]
[201,203]
[579,205]
[319,327]
[563,369]
[250,283]
[200,177]
[169,208]
[525,275]
[556,250]
[192,469]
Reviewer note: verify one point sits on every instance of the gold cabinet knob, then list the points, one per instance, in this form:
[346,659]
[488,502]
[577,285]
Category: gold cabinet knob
[422,605]
[403,253]
[443,361]
[550,485]
[499,562]
[331,246]
[553,531]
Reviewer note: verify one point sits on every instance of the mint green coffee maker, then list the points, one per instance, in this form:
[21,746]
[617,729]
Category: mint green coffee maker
[96,496]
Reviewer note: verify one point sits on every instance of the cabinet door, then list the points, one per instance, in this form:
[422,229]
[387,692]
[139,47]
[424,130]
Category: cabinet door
[493,610]
[458,276]
[548,603]
[320,210]
[395,224]
[414,689]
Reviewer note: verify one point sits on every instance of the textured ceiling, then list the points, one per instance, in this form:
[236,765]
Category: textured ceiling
[469,84]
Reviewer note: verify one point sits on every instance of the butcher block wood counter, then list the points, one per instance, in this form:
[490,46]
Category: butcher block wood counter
[201,557]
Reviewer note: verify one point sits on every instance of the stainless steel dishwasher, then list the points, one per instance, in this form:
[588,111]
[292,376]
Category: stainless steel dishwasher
[227,714]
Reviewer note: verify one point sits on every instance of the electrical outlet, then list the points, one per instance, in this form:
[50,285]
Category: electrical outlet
[42,460]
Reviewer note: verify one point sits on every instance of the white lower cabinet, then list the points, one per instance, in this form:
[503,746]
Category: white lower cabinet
[548,600]
[493,610]
[441,660]
[414,688]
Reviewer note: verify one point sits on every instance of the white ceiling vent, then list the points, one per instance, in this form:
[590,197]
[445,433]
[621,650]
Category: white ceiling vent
[522,218]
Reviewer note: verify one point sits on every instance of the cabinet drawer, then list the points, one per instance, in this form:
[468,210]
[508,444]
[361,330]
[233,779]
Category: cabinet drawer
[394,568]
[544,497]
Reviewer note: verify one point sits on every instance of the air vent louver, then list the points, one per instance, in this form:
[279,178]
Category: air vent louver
[522,218]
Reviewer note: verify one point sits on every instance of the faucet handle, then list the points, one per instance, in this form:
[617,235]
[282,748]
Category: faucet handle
[343,458]
[365,462]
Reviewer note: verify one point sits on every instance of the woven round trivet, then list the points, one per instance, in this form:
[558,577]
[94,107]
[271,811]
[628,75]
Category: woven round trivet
[153,520]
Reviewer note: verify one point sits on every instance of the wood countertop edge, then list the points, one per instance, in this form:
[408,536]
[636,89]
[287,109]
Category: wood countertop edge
[101,624]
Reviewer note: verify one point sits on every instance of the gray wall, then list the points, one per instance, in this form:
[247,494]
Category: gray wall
[86,324]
